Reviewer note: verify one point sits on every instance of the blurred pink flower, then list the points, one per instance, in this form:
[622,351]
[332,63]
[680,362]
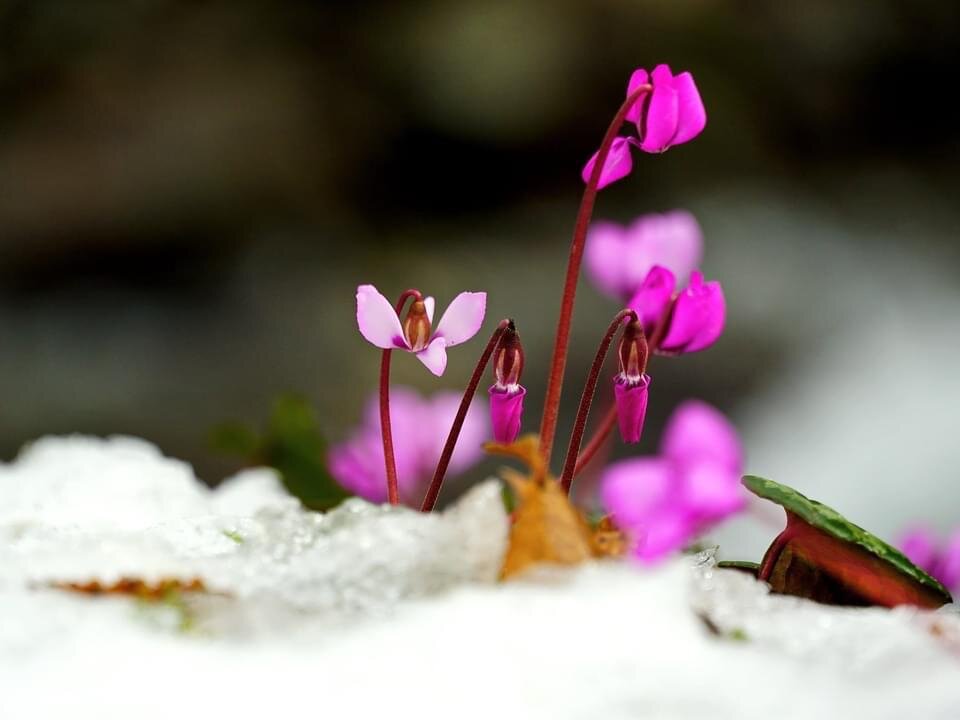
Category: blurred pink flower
[942,561]
[697,318]
[420,427]
[665,501]
[381,326]
[618,258]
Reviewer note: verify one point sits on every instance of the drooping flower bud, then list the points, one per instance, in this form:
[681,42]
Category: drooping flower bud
[506,394]
[416,326]
[631,383]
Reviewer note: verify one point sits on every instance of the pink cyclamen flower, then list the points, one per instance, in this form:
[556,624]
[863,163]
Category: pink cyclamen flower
[696,318]
[670,114]
[420,427]
[664,502]
[942,561]
[381,326]
[618,258]
[631,383]
[506,394]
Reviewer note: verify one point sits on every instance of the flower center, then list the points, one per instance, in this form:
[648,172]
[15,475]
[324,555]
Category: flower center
[416,328]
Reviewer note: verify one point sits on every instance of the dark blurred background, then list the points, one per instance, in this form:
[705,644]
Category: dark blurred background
[191,191]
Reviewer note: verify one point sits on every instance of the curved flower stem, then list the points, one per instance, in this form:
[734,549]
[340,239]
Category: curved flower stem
[430,499]
[551,406]
[580,424]
[386,430]
[609,421]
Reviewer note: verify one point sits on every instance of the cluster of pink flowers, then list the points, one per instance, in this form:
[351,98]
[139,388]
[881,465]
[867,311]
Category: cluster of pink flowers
[652,268]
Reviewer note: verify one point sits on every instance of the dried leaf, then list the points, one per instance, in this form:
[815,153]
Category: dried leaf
[607,540]
[135,587]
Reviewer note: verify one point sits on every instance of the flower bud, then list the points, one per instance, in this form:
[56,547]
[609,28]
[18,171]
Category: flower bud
[632,353]
[506,395]
[631,399]
[416,326]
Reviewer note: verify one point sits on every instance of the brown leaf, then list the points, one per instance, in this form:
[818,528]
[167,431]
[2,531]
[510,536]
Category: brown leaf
[135,587]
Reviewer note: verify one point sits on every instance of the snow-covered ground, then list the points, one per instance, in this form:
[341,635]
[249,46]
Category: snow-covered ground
[373,612]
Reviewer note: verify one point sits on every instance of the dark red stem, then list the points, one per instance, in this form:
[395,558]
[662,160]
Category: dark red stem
[773,552]
[551,407]
[430,500]
[386,430]
[586,399]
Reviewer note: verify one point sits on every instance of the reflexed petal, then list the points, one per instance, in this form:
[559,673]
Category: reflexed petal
[634,491]
[920,546]
[672,239]
[604,257]
[698,317]
[377,320]
[506,412]
[359,468]
[618,165]
[712,492]
[434,356]
[653,298]
[692,116]
[442,409]
[631,403]
[659,126]
[429,304]
[696,433]
[462,318]
[638,78]
[948,568]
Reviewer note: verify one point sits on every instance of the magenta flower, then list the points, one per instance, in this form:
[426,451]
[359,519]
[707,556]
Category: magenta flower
[506,394]
[381,326]
[671,114]
[619,258]
[420,426]
[696,319]
[664,502]
[941,561]
[631,383]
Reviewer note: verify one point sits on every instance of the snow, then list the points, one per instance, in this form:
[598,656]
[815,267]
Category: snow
[373,611]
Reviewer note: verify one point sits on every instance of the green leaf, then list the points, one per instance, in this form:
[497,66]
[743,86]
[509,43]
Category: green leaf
[742,565]
[832,523]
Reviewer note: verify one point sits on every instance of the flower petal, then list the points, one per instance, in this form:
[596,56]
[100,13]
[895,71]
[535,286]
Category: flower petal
[692,116]
[377,320]
[638,78]
[442,410]
[434,356]
[653,298]
[659,126]
[672,239]
[920,546]
[711,492]
[604,257]
[948,567]
[631,403]
[667,533]
[635,491]
[697,432]
[618,165]
[506,412]
[462,318]
[698,317]
[429,304]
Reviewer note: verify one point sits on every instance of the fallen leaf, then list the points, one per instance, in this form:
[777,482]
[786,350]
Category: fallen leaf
[135,587]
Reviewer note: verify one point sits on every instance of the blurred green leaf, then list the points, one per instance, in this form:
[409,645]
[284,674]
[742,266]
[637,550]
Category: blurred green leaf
[293,445]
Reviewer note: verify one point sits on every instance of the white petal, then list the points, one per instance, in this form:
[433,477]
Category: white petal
[429,303]
[434,356]
[462,318]
[377,320]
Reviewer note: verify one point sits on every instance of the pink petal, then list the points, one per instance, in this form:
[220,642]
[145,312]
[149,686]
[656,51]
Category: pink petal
[667,533]
[638,78]
[920,546]
[436,426]
[429,304]
[631,403]
[377,320]
[697,433]
[604,257]
[618,165]
[948,568]
[653,298]
[506,412]
[462,319]
[692,114]
[635,491]
[660,125]
[711,492]
[698,317]
[434,356]
[673,240]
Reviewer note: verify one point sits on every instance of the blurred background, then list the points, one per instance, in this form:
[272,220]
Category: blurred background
[191,191]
